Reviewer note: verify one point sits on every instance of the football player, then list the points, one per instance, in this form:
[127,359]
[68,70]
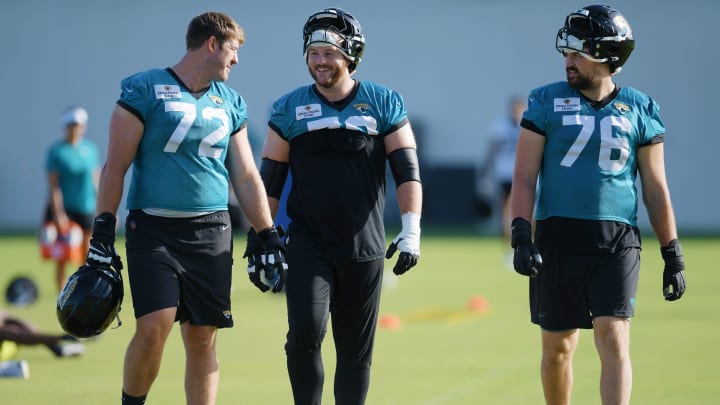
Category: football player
[177,126]
[586,139]
[336,136]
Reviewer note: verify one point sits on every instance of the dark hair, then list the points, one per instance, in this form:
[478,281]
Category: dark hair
[212,24]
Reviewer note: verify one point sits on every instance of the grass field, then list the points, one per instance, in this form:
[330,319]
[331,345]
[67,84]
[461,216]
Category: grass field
[442,354]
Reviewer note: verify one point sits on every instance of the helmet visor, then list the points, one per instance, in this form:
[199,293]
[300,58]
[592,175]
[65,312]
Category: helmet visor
[325,37]
[567,43]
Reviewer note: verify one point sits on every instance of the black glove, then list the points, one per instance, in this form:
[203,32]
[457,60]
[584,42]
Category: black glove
[265,252]
[405,261]
[408,242]
[673,274]
[102,244]
[526,259]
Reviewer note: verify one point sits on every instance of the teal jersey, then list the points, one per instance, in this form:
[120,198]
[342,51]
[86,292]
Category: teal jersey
[75,166]
[179,164]
[337,162]
[374,110]
[589,164]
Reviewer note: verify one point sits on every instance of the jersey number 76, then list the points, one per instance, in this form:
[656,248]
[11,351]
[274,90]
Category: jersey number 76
[608,142]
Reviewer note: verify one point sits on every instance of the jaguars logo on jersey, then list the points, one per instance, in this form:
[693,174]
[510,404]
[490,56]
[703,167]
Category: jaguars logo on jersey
[217,100]
[362,107]
[622,107]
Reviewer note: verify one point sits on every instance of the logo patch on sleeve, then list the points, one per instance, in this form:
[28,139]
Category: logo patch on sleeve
[567,104]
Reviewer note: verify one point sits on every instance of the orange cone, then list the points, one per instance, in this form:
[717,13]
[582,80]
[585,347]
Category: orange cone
[478,303]
[390,321]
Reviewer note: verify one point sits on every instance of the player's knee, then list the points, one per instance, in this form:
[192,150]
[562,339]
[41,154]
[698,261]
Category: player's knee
[150,335]
[303,342]
[358,364]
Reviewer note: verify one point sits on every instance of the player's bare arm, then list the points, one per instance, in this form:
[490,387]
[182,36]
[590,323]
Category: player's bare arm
[126,131]
[656,196]
[527,165]
[246,181]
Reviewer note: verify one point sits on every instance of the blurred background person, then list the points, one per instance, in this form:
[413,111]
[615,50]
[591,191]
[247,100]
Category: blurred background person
[15,332]
[73,170]
[500,159]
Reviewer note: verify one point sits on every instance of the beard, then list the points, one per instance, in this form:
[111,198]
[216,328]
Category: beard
[328,79]
[579,81]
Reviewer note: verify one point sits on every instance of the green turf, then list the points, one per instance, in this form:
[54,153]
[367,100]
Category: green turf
[443,353]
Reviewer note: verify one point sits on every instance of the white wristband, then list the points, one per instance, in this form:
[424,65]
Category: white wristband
[409,237]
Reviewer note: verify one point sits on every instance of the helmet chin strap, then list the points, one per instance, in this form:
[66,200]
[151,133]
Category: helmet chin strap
[119,322]
[117,315]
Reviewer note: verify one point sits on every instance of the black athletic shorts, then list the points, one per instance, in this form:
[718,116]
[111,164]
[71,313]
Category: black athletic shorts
[590,269]
[181,262]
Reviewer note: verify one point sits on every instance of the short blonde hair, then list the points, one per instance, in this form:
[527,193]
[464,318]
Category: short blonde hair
[212,24]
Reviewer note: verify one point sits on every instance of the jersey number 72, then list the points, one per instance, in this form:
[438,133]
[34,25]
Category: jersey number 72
[206,148]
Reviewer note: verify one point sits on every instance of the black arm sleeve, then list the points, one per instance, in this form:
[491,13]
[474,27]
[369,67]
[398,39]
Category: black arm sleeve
[273,175]
[404,165]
